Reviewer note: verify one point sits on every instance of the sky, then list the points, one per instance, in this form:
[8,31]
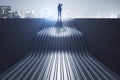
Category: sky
[71,8]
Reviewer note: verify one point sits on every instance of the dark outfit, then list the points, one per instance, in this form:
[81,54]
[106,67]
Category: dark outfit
[59,11]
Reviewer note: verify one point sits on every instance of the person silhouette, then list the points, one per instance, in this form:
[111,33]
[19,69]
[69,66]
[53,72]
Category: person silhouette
[59,11]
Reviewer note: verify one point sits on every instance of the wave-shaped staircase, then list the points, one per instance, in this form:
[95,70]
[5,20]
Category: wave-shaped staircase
[59,53]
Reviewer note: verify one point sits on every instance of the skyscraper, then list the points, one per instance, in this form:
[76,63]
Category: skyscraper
[5,11]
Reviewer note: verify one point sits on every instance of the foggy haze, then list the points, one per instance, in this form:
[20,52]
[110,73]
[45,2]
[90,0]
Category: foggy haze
[71,8]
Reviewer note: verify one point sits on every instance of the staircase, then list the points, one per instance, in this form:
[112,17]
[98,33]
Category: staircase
[59,53]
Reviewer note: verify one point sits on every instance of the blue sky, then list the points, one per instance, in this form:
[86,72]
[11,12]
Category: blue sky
[81,8]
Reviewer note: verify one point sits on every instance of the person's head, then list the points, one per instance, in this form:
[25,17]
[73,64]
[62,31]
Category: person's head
[60,4]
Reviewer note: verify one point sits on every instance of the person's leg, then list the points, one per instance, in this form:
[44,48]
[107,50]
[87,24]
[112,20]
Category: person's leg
[60,15]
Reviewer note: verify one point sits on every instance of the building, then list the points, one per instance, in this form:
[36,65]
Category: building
[5,11]
[15,15]
[118,16]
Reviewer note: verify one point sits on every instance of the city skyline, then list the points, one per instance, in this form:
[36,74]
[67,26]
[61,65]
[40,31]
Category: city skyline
[71,8]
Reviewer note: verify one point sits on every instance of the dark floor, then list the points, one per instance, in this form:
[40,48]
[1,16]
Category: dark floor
[59,54]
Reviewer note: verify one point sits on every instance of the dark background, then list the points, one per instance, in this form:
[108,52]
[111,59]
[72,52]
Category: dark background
[102,37]
[103,40]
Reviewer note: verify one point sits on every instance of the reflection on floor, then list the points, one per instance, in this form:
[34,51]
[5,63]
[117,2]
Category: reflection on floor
[59,54]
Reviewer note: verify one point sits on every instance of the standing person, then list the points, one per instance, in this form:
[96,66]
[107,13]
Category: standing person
[59,11]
